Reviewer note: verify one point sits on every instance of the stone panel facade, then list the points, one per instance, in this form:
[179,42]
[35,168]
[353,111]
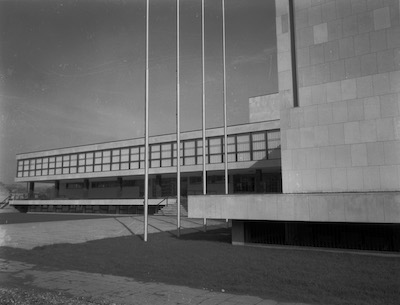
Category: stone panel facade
[344,135]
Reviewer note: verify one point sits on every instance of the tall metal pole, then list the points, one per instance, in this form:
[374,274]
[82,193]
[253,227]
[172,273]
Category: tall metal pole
[146,129]
[178,122]
[224,97]
[203,103]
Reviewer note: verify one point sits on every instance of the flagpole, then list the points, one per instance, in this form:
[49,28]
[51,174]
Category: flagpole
[224,97]
[146,129]
[203,100]
[178,127]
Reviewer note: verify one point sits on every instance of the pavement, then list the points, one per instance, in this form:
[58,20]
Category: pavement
[115,289]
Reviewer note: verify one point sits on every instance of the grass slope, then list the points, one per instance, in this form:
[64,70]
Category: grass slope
[208,260]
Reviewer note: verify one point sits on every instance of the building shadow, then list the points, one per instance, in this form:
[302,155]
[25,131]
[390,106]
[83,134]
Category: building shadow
[222,235]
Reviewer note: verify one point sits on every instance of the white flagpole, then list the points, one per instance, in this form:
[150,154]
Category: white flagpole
[146,129]
[203,103]
[178,127]
[224,97]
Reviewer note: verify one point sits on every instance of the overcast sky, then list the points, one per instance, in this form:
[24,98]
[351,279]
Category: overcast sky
[72,72]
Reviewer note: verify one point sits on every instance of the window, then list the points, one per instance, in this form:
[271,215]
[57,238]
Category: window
[155,156]
[189,151]
[274,144]
[73,161]
[106,160]
[45,163]
[128,183]
[74,185]
[196,180]
[105,184]
[166,154]
[125,155]
[199,144]
[259,146]
[66,161]
[243,147]
[32,164]
[232,149]
[134,157]
[215,150]
[98,158]
[115,159]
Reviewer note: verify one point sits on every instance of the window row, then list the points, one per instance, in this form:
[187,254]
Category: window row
[240,147]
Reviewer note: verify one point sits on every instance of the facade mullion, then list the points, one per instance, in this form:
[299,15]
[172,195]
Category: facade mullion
[208,151]
[150,158]
[195,151]
[222,150]
[236,149]
[172,153]
[251,146]
[183,152]
[129,157]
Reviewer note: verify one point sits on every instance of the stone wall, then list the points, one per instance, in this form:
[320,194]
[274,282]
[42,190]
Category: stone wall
[344,136]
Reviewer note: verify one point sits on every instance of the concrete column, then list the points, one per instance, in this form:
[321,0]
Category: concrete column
[157,187]
[258,181]
[56,188]
[237,232]
[86,188]
[120,181]
[31,190]
[231,185]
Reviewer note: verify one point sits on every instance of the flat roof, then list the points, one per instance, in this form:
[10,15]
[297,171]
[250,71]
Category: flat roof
[188,135]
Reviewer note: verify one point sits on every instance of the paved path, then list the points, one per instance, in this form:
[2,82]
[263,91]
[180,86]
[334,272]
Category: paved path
[30,235]
[121,290]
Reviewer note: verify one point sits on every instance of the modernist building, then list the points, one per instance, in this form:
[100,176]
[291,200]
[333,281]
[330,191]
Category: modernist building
[327,144]
[101,176]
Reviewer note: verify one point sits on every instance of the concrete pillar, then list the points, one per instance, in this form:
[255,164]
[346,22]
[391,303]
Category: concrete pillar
[237,232]
[157,192]
[258,182]
[86,188]
[56,188]
[120,182]
[31,190]
[231,185]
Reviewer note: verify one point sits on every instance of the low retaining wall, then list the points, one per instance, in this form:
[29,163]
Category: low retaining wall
[106,206]
[379,207]
[72,202]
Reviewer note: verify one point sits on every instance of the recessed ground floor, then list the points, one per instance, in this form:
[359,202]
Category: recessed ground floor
[248,181]
[357,236]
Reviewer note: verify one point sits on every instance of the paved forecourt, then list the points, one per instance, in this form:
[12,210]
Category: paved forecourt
[33,234]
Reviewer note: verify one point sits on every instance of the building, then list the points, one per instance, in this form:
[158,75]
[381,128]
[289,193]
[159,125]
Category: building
[109,177]
[339,84]
[327,144]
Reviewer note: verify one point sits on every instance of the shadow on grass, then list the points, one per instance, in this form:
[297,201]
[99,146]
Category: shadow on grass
[206,260]
[222,235]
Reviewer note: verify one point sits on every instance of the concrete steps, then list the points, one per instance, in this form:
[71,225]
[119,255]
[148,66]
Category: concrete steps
[9,209]
[172,210]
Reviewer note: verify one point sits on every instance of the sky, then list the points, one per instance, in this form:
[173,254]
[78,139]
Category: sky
[73,72]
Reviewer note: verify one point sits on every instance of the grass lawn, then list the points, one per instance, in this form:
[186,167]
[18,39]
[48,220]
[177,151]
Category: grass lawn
[208,260]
